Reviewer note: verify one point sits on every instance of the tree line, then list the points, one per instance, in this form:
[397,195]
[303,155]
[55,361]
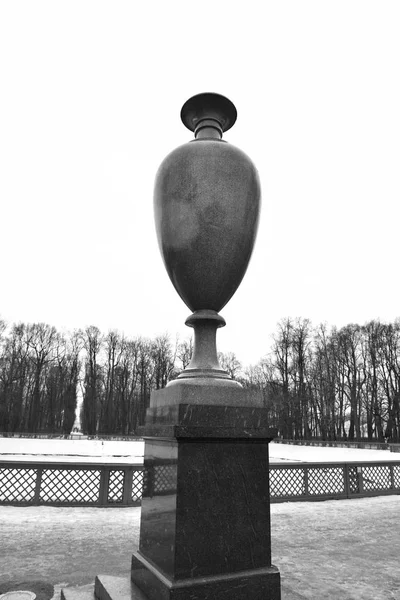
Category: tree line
[39,373]
[315,381]
[332,384]
[120,374]
[43,372]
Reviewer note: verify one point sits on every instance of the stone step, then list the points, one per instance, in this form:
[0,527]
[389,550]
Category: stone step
[106,587]
[83,592]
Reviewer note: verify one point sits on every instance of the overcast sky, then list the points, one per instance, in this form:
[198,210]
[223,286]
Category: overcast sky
[90,100]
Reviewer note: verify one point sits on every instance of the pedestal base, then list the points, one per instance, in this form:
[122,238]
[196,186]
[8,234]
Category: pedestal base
[261,583]
[205,517]
[116,588]
[107,587]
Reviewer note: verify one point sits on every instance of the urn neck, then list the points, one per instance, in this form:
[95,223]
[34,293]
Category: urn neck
[208,128]
[204,365]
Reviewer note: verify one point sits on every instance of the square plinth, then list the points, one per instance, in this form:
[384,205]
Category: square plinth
[205,522]
[242,587]
[255,584]
[205,506]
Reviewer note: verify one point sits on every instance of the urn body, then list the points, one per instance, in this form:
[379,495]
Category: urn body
[207,202]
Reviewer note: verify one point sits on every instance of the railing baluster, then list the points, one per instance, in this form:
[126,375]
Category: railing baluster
[346,480]
[127,495]
[36,498]
[104,481]
[360,480]
[305,471]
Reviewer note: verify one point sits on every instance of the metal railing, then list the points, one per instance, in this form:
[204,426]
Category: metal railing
[335,444]
[95,484]
[66,484]
[323,481]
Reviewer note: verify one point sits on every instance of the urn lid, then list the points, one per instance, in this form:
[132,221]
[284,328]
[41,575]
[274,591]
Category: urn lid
[208,106]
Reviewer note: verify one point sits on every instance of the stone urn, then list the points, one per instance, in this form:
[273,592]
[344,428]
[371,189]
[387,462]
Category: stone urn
[207,203]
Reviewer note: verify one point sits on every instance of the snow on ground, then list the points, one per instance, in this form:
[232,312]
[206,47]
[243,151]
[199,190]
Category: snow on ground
[287,452]
[58,450]
[66,545]
[347,549]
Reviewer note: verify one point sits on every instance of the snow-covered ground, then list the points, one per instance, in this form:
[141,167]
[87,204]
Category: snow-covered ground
[347,549]
[287,452]
[59,450]
[333,550]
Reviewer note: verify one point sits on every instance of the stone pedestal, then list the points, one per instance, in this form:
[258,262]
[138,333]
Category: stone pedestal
[205,521]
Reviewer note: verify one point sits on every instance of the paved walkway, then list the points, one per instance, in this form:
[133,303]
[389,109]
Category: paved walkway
[335,550]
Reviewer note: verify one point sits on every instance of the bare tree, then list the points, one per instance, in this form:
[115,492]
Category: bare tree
[301,360]
[324,382]
[127,375]
[92,341]
[185,352]
[42,341]
[350,358]
[163,356]
[390,379]
[114,347]
[230,363]
[281,360]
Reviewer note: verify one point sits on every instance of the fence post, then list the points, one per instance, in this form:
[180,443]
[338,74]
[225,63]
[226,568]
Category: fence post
[391,467]
[360,480]
[103,491]
[38,483]
[128,476]
[305,470]
[346,480]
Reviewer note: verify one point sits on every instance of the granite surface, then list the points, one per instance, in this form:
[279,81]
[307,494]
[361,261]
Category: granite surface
[170,416]
[207,511]
[260,584]
[206,206]
[121,588]
[205,522]
[115,588]
[198,391]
